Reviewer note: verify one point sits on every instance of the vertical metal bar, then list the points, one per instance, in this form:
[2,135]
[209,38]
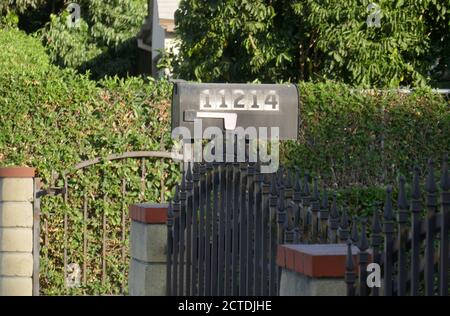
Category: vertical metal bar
[36,234]
[228,230]
[315,208]
[182,228]
[402,238]
[194,271]
[124,232]
[250,255]
[66,197]
[257,224]
[46,238]
[143,175]
[176,240]
[201,231]
[162,182]
[430,222]
[388,230]
[208,224]
[104,245]
[376,240]
[189,209]
[334,220]
[265,232]
[445,223]
[85,218]
[217,240]
[350,275]
[169,250]
[222,256]
[416,209]
[323,216]
[235,232]
[243,231]
[281,218]
[273,202]
[363,245]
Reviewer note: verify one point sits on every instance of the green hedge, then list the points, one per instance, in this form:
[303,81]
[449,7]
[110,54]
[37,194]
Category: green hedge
[52,119]
[365,137]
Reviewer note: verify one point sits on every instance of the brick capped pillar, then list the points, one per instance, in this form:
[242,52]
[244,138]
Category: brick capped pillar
[148,246]
[16,230]
[313,270]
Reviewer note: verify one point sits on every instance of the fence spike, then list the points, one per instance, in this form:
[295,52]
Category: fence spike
[388,212]
[334,210]
[183,181]
[402,203]
[445,177]
[343,225]
[324,207]
[363,244]
[315,196]
[376,224]
[344,218]
[324,202]
[354,233]
[431,186]
[288,180]
[176,197]
[280,175]
[273,186]
[170,215]
[306,191]
[349,264]
[195,172]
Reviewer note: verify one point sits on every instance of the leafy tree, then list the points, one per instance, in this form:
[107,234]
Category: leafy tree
[103,42]
[19,5]
[279,40]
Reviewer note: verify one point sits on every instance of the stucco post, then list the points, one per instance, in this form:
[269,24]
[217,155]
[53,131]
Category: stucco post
[148,247]
[313,270]
[16,230]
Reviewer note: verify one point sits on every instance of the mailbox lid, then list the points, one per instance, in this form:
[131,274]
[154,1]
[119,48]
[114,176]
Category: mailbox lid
[256,105]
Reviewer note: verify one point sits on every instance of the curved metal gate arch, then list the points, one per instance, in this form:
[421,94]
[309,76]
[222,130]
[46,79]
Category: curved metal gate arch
[76,274]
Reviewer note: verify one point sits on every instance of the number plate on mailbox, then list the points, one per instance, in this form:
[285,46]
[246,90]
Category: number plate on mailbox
[228,106]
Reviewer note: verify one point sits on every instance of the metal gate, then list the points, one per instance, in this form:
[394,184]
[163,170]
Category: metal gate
[82,239]
[226,220]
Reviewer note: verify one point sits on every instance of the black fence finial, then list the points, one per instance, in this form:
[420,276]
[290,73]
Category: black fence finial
[354,232]
[363,243]
[388,212]
[430,185]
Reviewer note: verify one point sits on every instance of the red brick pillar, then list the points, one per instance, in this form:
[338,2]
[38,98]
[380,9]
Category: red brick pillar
[313,270]
[148,247]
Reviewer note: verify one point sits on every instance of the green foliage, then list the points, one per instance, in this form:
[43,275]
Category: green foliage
[52,119]
[350,137]
[104,42]
[19,5]
[297,40]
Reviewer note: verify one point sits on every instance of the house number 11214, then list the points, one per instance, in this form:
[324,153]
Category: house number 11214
[238,100]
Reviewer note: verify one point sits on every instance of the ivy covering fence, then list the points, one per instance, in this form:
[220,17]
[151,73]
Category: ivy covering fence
[53,118]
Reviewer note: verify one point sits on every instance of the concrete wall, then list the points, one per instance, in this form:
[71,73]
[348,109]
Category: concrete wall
[16,231]
[296,284]
[148,249]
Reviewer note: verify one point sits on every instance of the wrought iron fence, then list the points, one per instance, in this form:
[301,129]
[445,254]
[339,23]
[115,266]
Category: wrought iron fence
[84,231]
[226,221]
[412,248]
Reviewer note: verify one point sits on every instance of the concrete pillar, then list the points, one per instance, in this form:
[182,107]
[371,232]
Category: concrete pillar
[313,270]
[148,247]
[16,230]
